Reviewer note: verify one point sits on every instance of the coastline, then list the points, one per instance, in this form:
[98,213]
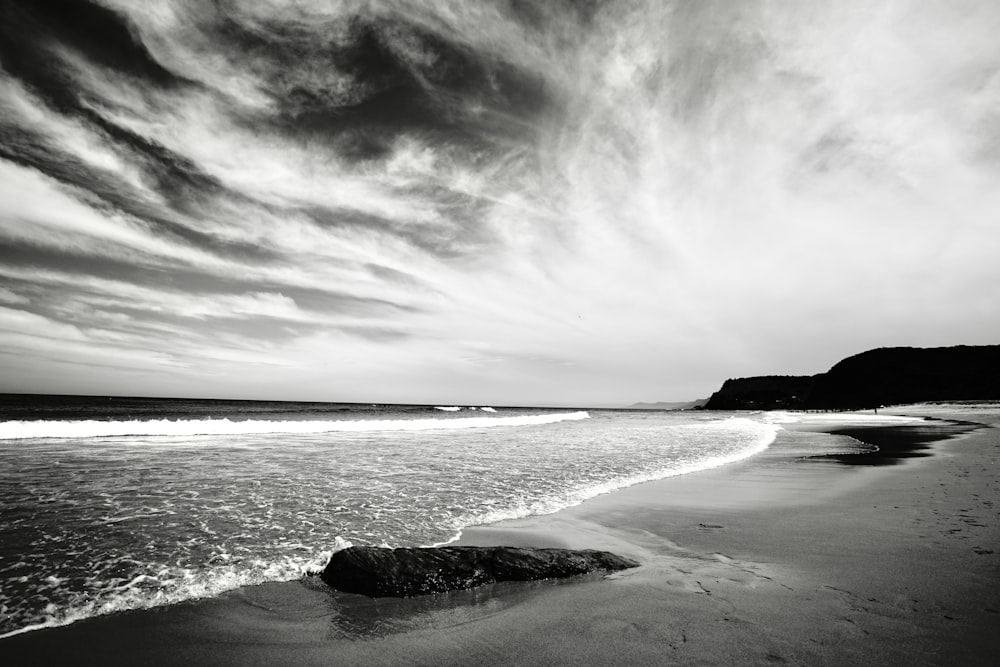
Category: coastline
[782,557]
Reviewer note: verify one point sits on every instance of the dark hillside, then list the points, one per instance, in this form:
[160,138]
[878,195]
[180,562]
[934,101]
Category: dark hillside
[767,392]
[883,376]
[909,375]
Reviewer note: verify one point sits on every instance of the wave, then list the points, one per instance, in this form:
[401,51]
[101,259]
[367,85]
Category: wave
[758,437]
[21,430]
[145,591]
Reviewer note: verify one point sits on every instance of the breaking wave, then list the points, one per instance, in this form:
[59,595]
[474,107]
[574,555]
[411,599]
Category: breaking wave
[19,430]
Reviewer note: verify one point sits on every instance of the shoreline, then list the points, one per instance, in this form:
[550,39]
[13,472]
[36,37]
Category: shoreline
[778,557]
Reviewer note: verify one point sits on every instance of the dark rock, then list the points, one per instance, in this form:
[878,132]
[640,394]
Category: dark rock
[382,572]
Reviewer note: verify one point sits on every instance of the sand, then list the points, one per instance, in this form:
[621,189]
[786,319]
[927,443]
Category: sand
[792,556]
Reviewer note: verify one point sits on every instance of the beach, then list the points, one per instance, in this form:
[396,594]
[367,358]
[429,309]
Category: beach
[797,555]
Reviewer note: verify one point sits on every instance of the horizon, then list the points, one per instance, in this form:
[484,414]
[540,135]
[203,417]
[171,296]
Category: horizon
[488,203]
[281,400]
[293,400]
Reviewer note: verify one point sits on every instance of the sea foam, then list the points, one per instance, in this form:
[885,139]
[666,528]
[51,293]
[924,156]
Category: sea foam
[19,430]
[128,525]
[867,418]
[754,437]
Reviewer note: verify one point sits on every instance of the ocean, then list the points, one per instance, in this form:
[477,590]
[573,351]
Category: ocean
[113,503]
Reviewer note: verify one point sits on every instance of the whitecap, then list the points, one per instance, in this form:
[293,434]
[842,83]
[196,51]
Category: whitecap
[19,430]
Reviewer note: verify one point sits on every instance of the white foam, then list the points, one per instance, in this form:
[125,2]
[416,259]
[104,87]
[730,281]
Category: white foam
[780,417]
[447,408]
[760,435]
[730,438]
[19,430]
[144,591]
[867,418]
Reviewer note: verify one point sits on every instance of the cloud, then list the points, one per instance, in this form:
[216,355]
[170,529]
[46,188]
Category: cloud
[494,202]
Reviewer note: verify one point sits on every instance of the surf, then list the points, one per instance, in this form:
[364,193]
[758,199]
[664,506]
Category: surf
[22,430]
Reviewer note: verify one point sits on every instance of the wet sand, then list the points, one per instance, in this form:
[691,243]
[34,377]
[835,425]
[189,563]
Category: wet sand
[800,555]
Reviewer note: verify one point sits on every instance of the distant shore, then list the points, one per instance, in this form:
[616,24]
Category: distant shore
[804,554]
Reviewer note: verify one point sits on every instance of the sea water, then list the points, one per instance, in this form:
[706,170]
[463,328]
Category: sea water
[112,503]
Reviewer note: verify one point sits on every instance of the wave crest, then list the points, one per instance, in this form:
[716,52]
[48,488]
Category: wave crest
[20,430]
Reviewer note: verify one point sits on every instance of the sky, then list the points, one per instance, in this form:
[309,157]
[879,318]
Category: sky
[509,203]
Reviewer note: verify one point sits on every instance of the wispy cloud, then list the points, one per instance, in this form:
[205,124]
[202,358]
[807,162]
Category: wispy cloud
[487,201]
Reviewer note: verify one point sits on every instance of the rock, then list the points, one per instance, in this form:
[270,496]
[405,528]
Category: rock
[383,572]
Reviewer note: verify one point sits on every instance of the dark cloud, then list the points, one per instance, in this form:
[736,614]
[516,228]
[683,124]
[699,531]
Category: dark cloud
[453,236]
[30,30]
[107,193]
[26,255]
[356,83]
[176,177]
[353,86]
[31,259]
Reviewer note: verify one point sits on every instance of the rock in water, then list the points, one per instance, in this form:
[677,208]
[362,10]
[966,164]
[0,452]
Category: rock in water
[382,572]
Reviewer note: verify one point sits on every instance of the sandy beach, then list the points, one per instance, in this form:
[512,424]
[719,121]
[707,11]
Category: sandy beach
[799,555]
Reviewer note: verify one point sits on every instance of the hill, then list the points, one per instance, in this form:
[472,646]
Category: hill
[882,376]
